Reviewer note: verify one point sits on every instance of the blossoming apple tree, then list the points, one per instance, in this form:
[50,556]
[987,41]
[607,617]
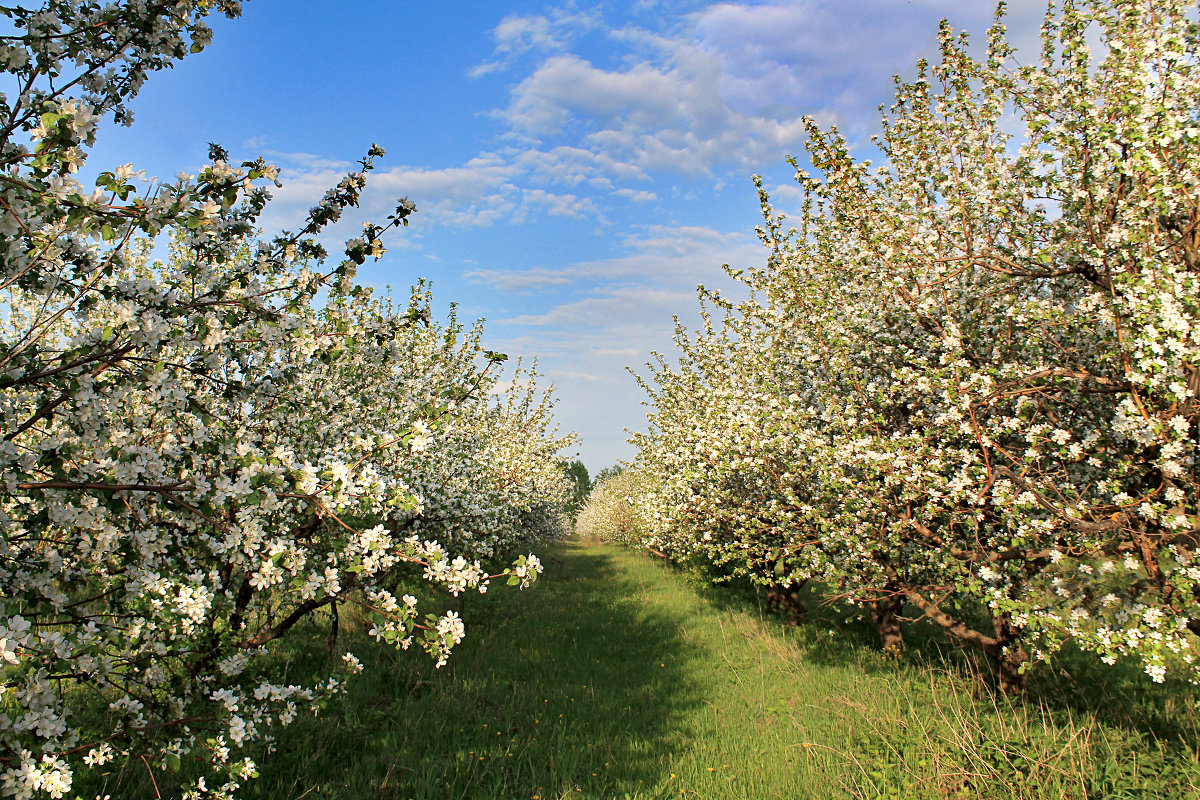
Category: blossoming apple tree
[197,453]
[968,381]
[611,510]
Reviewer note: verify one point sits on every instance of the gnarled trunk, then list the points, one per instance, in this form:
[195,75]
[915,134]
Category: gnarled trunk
[885,613]
[1004,648]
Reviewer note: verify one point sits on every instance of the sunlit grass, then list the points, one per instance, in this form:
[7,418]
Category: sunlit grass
[616,677]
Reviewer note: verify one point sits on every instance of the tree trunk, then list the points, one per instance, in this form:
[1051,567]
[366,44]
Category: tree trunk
[1004,649]
[333,627]
[1008,655]
[885,613]
[785,601]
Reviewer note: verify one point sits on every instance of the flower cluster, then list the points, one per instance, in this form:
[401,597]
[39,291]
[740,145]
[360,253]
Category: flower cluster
[970,378]
[200,450]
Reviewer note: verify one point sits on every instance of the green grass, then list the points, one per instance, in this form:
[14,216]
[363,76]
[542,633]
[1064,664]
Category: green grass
[616,677]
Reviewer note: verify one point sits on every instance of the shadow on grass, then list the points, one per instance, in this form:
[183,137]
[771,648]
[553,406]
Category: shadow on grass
[562,690]
[1073,684]
[825,633]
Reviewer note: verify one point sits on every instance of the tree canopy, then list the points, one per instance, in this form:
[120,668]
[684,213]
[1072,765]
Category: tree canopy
[967,381]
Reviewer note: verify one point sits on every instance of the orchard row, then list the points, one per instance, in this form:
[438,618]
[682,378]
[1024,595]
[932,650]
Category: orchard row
[207,442]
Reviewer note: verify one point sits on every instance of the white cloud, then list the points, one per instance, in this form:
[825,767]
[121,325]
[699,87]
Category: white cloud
[626,306]
[471,194]
[477,194]
[660,114]
[516,35]
[726,94]
[620,352]
[257,142]
[820,54]
[642,95]
[561,205]
[635,195]
[486,190]
[684,240]
[572,166]
[786,198]
[308,161]
[559,375]
[678,257]
[522,281]
[729,90]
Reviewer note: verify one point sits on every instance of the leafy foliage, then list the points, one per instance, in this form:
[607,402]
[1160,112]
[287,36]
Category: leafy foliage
[581,483]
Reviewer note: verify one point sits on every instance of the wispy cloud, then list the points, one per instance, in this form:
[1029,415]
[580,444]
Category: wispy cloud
[307,162]
[609,307]
[522,280]
[519,34]
[561,205]
[574,165]
[584,377]
[635,195]
[656,256]
[476,194]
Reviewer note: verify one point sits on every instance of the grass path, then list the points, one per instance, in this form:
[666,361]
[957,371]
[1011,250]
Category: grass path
[613,678]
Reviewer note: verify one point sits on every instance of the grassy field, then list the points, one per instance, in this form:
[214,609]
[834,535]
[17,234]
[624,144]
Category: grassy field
[618,677]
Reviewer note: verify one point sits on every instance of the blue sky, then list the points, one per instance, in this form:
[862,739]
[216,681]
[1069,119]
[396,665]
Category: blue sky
[578,168]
